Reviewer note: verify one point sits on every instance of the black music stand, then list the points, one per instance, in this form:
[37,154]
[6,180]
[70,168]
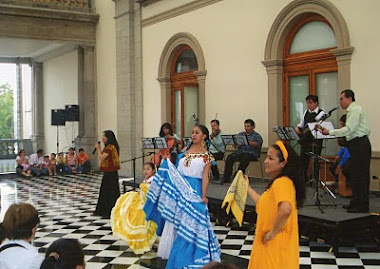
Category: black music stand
[316,158]
[236,140]
[186,141]
[286,133]
[133,160]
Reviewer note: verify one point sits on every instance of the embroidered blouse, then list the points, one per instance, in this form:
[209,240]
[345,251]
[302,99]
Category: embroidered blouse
[112,162]
[193,163]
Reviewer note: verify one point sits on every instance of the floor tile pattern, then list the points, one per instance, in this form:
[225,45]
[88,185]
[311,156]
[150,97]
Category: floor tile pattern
[65,204]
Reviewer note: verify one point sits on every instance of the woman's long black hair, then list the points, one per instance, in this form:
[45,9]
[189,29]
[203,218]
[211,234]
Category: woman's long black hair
[292,170]
[63,254]
[111,140]
[166,125]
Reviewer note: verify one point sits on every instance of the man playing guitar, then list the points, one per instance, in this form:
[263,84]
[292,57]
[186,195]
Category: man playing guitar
[312,114]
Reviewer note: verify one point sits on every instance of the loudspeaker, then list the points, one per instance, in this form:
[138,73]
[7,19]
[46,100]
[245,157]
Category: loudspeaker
[71,112]
[57,117]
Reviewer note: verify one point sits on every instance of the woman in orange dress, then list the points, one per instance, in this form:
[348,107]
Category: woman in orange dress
[276,238]
[172,140]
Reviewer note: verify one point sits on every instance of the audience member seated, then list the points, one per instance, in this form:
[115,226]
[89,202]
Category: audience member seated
[64,254]
[244,153]
[71,161]
[83,162]
[46,163]
[61,164]
[23,167]
[52,165]
[20,226]
[217,147]
[36,163]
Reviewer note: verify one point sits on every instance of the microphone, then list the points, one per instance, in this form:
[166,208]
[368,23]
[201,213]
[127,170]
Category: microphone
[93,152]
[333,109]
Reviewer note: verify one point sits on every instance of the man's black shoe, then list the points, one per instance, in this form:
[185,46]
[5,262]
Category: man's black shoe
[358,210]
[224,180]
[349,206]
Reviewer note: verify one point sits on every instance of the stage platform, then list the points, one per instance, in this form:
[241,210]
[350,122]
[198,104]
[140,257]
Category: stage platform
[333,226]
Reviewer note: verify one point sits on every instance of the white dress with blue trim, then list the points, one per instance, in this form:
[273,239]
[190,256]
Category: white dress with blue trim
[174,202]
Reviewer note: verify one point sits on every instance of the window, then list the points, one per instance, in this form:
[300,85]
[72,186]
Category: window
[184,91]
[310,68]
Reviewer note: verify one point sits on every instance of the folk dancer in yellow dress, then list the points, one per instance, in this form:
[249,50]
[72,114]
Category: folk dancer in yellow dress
[276,238]
[128,217]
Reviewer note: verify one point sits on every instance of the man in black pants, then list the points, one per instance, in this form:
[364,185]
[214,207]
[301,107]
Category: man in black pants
[244,153]
[308,143]
[356,132]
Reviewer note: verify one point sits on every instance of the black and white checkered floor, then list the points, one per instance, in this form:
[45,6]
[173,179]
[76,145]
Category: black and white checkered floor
[66,203]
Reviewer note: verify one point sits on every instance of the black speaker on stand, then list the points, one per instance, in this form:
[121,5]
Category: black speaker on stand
[58,119]
[72,114]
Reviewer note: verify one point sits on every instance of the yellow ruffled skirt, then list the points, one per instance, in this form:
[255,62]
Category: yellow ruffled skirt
[129,224]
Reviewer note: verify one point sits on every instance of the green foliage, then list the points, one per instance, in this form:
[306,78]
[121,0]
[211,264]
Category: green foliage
[6,111]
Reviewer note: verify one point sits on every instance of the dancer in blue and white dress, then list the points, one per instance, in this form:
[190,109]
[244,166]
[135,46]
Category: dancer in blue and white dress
[177,202]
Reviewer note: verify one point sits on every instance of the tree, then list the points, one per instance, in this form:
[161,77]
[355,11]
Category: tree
[6,112]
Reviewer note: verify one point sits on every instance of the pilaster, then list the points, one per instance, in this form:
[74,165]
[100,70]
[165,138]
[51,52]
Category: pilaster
[38,137]
[87,102]
[129,81]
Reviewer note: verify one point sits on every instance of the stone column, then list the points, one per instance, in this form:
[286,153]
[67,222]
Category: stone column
[275,106]
[165,85]
[201,77]
[38,137]
[129,82]
[87,102]
[343,59]
[19,133]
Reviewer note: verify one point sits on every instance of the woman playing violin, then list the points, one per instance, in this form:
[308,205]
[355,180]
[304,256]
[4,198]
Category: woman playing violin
[172,141]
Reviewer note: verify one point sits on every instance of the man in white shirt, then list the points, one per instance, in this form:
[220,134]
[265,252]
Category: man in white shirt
[308,143]
[35,161]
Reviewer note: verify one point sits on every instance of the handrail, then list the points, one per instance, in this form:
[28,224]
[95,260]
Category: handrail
[9,148]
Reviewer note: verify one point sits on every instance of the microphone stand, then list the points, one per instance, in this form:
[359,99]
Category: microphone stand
[133,160]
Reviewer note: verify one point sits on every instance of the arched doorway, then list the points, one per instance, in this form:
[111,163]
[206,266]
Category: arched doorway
[287,22]
[184,91]
[310,68]
[182,76]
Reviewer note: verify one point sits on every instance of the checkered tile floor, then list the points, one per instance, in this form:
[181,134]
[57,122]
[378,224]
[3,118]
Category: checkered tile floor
[66,203]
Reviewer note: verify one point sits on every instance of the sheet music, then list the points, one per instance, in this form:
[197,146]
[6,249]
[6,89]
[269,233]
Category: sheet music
[278,130]
[228,139]
[318,134]
[147,143]
[160,142]
[240,140]
[291,132]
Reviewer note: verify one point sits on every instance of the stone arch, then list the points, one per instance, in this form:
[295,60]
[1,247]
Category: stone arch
[164,73]
[273,56]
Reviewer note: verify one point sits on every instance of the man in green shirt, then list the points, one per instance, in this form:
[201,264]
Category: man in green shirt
[356,132]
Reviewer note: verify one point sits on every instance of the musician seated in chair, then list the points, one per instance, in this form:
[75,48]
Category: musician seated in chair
[245,153]
[217,147]
[172,140]
[308,143]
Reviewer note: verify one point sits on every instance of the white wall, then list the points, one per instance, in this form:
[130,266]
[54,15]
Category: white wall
[60,82]
[106,67]
[233,35]
[362,20]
